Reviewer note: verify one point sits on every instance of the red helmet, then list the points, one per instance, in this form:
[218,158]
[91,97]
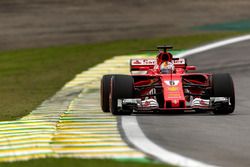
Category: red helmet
[164,56]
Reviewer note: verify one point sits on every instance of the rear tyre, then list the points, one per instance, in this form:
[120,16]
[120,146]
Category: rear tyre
[122,86]
[105,91]
[222,86]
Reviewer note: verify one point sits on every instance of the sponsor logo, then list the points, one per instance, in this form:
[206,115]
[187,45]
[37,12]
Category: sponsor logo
[172,95]
[172,82]
[143,62]
[149,62]
[179,62]
[173,89]
[136,62]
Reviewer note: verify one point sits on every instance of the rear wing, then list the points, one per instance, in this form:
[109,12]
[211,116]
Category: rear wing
[142,64]
[145,64]
[179,62]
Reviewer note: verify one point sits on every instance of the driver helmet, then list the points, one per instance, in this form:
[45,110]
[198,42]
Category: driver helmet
[164,57]
[166,67]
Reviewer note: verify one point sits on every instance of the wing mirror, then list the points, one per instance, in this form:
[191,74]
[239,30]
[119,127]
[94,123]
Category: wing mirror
[190,68]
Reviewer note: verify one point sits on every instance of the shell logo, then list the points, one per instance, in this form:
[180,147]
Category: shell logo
[173,89]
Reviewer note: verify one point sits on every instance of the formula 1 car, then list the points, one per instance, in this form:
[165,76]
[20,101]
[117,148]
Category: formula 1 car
[149,89]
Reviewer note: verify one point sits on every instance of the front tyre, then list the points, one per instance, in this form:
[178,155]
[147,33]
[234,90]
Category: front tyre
[104,92]
[122,87]
[222,86]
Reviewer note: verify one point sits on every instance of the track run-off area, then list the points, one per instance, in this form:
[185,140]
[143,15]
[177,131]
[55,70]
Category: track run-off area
[71,124]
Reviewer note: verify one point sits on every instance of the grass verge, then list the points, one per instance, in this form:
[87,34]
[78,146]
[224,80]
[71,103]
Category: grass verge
[68,162]
[29,76]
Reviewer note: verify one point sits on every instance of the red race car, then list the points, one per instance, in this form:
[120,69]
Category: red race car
[165,84]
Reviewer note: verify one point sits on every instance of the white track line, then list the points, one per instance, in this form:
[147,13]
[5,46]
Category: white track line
[214,45]
[136,136]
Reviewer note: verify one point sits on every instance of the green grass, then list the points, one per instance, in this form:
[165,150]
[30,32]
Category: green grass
[71,162]
[29,76]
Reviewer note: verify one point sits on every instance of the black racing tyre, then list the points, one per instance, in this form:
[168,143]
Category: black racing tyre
[104,92]
[122,86]
[222,86]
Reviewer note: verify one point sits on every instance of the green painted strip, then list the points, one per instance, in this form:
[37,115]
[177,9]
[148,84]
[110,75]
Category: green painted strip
[240,25]
[140,160]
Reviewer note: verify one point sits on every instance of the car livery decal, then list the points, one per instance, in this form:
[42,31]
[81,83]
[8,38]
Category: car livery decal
[172,82]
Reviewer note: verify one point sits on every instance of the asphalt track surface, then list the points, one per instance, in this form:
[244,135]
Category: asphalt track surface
[216,140]
[43,23]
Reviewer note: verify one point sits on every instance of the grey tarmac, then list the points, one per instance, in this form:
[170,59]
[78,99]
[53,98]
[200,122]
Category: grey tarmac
[217,140]
[43,23]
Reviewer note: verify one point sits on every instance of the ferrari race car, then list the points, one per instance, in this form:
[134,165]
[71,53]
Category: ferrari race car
[165,84]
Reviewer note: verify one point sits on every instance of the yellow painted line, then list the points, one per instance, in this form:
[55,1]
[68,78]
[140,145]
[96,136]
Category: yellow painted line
[62,126]
[77,139]
[79,145]
[88,124]
[87,135]
[24,131]
[23,157]
[28,128]
[92,130]
[8,136]
[70,124]
[25,137]
[90,149]
[25,151]
[25,146]
[27,141]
